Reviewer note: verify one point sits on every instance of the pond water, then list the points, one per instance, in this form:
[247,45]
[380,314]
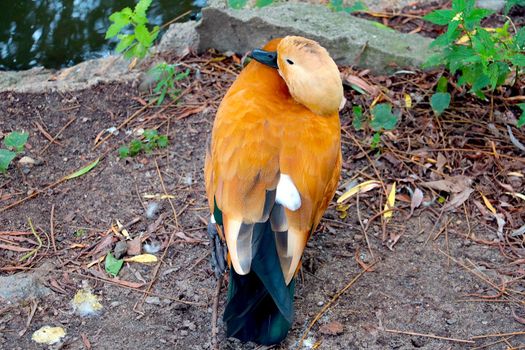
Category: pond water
[61,33]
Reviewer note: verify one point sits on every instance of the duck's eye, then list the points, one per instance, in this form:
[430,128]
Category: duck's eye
[289,61]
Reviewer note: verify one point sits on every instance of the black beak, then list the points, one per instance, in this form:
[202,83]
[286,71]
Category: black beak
[268,58]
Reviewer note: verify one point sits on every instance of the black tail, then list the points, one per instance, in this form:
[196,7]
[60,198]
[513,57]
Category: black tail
[260,304]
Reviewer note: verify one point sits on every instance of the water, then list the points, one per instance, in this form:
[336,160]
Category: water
[61,33]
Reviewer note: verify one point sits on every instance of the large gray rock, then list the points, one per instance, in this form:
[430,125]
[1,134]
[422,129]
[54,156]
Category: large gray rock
[80,76]
[349,40]
[179,39]
[25,285]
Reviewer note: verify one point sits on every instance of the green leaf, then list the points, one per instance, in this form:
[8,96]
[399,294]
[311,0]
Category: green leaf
[518,59]
[113,265]
[520,37]
[16,140]
[357,7]
[442,84]
[382,117]
[5,159]
[434,61]
[135,147]
[162,141]
[336,5]
[237,4]
[114,29]
[123,152]
[475,16]
[521,120]
[262,3]
[459,6]
[83,170]
[357,121]
[380,26]
[440,17]
[142,35]
[439,102]
[125,41]
[376,140]
[150,134]
[139,19]
[121,18]
[142,7]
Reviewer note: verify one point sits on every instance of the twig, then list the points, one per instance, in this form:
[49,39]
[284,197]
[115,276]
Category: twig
[58,134]
[214,316]
[363,226]
[498,335]
[32,310]
[175,215]
[429,336]
[331,302]
[52,225]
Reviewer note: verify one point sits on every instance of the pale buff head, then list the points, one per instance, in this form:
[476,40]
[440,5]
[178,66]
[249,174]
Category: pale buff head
[311,74]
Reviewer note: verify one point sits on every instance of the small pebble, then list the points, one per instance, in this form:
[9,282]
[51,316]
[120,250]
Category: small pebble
[120,249]
[153,300]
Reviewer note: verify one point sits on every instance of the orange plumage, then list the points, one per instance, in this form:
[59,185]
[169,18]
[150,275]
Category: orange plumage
[262,131]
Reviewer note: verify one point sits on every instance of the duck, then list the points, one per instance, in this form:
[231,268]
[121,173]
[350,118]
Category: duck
[271,169]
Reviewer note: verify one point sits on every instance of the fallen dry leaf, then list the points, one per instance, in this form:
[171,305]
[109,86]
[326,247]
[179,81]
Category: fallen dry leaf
[487,203]
[142,258]
[417,199]
[390,202]
[458,199]
[361,188]
[453,184]
[332,328]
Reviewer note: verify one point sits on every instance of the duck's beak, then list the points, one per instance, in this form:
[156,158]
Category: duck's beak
[268,58]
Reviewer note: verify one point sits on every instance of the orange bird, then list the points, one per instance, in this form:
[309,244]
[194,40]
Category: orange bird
[271,169]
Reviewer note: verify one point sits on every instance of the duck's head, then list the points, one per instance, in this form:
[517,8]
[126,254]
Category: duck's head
[310,73]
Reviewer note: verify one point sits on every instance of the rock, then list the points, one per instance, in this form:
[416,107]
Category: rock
[25,285]
[494,5]
[347,38]
[120,249]
[179,39]
[80,76]
[152,300]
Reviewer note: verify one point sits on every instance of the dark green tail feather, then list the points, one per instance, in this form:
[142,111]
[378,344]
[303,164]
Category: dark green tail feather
[260,304]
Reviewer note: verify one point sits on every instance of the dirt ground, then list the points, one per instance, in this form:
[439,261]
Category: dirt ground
[415,287]
[438,280]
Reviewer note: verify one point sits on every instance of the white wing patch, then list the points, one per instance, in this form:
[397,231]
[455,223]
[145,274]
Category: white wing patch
[287,194]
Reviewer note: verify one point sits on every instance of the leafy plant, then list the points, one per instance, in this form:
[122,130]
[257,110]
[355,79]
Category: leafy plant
[357,122]
[166,75]
[439,102]
[152,141]
[14,142]
[339,6]
[239,4]
[521,120]
[483,58]
[137,43]
[113,265]
[383,118]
